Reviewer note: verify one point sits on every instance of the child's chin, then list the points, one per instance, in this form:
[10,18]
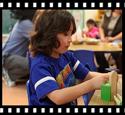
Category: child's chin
[64,52]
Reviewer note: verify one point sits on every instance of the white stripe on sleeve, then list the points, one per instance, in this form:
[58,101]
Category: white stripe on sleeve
[43,80]
[76,65]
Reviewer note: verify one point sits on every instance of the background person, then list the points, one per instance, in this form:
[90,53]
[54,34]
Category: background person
[93,30]
[111,31]
[15,63]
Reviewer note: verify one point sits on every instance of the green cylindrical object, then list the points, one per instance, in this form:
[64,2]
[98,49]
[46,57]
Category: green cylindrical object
[106,92]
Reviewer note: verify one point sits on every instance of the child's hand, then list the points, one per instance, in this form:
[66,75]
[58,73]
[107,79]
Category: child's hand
[99,80]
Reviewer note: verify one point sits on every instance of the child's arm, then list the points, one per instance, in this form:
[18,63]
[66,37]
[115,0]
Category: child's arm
[94,74]
[66,95]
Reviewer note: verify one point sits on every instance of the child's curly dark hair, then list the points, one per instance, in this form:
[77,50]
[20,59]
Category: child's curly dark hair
[47,26]
[91,21]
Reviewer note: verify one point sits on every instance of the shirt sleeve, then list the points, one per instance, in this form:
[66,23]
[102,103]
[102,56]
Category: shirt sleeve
[79,69]
[26,26]
[43,81]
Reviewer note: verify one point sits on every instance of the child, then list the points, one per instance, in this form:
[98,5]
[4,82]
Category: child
[93,31]
[53,69]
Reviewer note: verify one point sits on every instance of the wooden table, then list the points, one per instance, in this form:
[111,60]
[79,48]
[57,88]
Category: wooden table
[96,98]
[4,39]
[100,47]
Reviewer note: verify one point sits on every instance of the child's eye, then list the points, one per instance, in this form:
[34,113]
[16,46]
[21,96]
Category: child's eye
[66,34]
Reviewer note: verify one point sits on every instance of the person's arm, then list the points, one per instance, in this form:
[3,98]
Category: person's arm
[101,30]
[102,35]
[94,74]
[117,37]
[65,95]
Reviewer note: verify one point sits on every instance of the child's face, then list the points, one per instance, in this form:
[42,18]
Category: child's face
[65,40]
[90,26]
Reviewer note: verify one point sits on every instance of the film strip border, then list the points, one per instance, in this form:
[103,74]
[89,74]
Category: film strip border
[59,4]
[84,110]
[62,4]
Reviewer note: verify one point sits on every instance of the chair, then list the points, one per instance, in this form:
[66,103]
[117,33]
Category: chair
[28,91]
[86,57]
